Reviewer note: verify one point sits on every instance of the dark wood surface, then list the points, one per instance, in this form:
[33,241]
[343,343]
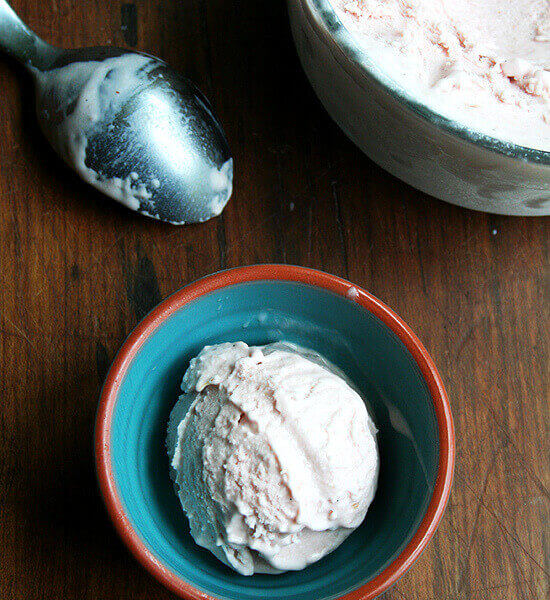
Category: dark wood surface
[78,272]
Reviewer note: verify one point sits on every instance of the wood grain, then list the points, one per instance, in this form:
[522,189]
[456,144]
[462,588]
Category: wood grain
[78,272]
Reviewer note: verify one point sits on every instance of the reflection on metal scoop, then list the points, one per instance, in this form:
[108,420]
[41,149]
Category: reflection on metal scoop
[127,124]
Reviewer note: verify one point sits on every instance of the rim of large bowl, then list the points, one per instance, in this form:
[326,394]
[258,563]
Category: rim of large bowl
[324,14]
[332,283]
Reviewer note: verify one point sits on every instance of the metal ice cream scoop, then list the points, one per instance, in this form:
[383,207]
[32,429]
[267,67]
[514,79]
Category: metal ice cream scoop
[127,124]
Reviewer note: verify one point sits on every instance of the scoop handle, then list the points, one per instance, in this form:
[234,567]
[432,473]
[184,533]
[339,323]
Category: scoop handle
[17,40]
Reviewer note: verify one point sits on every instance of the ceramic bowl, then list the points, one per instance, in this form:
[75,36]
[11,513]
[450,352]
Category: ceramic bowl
[430,152]
[351,328]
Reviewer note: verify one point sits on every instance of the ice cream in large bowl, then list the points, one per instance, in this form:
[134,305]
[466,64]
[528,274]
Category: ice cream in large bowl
[274,432]
[451,96]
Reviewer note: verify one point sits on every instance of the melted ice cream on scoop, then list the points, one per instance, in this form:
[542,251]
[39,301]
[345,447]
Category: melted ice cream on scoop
[128,124]
[138,132]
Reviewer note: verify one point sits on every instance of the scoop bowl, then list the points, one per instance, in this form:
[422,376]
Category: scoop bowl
[357,333]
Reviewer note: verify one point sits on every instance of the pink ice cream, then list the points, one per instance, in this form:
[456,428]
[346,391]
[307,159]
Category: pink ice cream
[273,455]
[483,63]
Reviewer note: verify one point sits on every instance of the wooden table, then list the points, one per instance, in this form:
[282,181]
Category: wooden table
[78,272]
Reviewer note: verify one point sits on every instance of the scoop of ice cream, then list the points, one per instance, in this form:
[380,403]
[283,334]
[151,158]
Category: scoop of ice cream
[273,454]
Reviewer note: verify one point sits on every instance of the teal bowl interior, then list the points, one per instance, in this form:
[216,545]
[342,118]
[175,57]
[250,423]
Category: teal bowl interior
[349,336]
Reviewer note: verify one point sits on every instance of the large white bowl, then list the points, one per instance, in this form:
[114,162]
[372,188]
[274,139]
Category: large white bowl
[431,153]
